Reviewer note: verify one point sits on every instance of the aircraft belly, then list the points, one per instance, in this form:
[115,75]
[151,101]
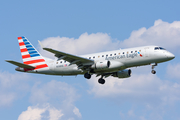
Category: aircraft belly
[66,70]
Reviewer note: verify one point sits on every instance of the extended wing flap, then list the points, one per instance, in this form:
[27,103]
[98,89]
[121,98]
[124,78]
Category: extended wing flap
[73,59]
[20,64]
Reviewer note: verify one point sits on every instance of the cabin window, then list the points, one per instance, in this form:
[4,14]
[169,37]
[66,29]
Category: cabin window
[61,62]
[136,51]
[123,52]
[94,57]
[131,51]
[64,61]
[106,55]
[89,57]
[102,55]
[114,53]
[110,54]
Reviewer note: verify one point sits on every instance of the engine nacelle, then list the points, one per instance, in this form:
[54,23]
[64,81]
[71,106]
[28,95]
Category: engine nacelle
[101,65]
[123,73]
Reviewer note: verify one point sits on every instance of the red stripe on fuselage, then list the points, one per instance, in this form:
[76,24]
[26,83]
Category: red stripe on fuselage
[41,66]
[24,50]
[21,44]
[26,56]
[34,61]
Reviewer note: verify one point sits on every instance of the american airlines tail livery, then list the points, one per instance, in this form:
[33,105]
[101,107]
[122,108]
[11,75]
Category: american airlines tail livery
[111,63]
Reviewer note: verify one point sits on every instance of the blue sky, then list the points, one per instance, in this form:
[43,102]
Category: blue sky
[80,27]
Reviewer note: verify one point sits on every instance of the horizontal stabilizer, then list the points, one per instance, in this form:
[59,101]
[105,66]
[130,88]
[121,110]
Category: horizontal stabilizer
[20,64]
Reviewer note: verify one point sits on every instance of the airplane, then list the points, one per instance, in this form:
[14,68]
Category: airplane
[115,63]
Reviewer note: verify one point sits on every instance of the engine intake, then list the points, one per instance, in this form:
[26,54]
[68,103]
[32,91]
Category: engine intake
[101,65]
[123,73]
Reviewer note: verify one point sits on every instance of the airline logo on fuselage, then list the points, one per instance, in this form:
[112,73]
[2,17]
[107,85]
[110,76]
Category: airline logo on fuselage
[140,54]
[130,55]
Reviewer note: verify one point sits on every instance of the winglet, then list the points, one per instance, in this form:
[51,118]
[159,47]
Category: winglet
[41,44]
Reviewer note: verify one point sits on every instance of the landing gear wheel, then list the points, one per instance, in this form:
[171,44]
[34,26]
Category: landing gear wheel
[101,81]
[87,75]
[153,72]
[153,65]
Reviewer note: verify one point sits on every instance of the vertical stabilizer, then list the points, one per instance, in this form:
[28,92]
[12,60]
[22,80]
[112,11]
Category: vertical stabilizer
[30,55]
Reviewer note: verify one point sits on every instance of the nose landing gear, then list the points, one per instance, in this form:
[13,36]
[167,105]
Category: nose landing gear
[153,71]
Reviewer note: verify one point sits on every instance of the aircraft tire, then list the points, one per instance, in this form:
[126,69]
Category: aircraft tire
[153,72]
[101,81]
[87,75]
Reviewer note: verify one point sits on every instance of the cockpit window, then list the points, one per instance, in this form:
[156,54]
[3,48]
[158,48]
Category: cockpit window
[156,48]
[161,48]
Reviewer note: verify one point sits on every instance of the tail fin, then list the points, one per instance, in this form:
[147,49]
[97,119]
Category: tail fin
[30,55]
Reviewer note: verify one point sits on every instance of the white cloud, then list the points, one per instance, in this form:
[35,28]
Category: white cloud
[161,33]
[76,112]
[6,98]
[55,114]
[40,112]
[86,43]
[139,88]
[145,92]
[55,101]
[12,87]
[53,91]
[32,113]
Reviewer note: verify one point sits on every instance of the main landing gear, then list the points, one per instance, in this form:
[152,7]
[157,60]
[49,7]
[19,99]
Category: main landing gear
[153,71]
[88,76]
[101,80]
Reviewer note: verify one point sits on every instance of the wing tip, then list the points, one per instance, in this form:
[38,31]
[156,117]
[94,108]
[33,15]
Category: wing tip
[41,44]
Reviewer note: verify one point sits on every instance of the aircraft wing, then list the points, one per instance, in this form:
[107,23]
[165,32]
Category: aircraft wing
[72,59]
[20,64]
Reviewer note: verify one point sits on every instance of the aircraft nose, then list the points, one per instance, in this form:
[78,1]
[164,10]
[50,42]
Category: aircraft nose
[170,55]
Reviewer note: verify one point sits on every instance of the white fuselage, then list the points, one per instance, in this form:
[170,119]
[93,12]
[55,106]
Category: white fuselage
[119,60]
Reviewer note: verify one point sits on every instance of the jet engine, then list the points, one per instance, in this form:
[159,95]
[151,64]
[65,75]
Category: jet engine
[101,65]
[123,73]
